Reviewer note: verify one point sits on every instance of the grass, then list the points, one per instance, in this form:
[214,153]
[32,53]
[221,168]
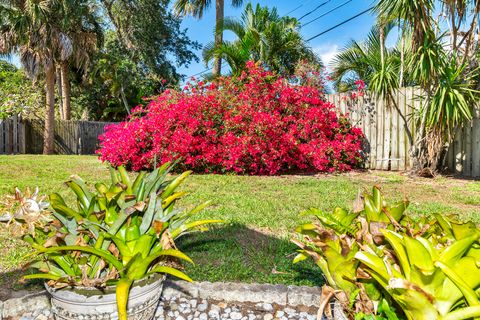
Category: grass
[261,212]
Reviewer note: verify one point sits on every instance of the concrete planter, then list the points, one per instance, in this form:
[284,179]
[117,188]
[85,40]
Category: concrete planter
[87,303]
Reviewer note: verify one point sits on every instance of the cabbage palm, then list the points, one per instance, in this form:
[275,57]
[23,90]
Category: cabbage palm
[262,35]
[85,32]
[197,8]
[27,28]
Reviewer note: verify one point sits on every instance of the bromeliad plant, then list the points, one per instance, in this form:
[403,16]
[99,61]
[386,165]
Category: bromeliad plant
[334,240]
[381,260]
[118,234]
[428,281]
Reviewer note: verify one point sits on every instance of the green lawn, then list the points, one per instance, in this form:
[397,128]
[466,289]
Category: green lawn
[260,212]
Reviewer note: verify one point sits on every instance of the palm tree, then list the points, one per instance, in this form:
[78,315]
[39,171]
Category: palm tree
[379,67]
[27,28]
[369,61]
[262,35]
[197,8]
[85,32]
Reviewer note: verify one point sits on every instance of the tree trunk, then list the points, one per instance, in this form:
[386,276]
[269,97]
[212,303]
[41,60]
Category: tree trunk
[217,64]
[65,92]
[382,44]
[419,151]
[402,57]
[49,135]
[124,99]
[58,78]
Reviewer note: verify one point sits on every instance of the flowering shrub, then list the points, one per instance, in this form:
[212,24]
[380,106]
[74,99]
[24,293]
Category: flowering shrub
[254,124]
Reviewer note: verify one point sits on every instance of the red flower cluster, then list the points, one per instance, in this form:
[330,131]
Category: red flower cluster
[255,124]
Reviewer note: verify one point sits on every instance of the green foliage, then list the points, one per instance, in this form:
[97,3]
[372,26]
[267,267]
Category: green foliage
[426,279]
[115,235]
[337,238]
[198,8]
[145,45]
[122,77]
[428,269]
[362,60]
[17,93]
[116,83]
[453,99]
[150,34]
[262,35]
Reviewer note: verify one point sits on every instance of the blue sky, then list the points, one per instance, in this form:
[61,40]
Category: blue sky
[326,46]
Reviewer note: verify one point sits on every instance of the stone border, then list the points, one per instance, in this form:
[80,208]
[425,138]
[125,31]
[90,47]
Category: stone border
[218,291]
[241,292]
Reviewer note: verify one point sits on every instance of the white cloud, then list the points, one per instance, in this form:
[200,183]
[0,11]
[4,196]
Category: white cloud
[326,52]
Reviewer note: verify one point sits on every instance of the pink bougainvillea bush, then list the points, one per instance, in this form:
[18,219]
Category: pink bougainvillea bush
[254,124]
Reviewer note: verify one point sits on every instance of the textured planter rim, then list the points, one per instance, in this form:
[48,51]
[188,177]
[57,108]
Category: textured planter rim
[108,290]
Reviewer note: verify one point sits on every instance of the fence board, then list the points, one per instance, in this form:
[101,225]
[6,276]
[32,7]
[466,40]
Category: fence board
[402,145]
[373,135]
[386,137]
[2,139]
[380,134]
[458,150]
[394,136]
[467,157]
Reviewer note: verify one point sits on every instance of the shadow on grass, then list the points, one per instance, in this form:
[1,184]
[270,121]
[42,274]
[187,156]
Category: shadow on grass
[11,285]
[236,253]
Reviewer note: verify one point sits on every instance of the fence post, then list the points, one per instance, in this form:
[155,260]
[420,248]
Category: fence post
[2,137]
[476,143]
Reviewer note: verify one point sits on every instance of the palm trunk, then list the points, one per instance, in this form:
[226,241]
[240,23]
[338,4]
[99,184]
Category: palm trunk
[217,64]
[124,99]
[65,92]
[402,58]
[382,44]
[419,150]
[49,134]
[58,78]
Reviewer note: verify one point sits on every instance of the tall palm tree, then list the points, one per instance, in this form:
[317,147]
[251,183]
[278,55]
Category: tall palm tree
[28,28]
[262,35]
[197,9]
[85,32]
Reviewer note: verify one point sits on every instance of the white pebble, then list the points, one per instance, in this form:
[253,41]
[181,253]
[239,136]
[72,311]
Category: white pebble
[236,315]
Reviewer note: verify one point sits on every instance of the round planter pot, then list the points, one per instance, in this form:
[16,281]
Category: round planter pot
[90,303]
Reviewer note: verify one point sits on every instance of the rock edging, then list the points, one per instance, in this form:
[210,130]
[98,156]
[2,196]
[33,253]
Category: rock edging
[36,305]
[241,292]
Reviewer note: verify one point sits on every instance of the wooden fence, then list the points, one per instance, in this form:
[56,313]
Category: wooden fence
[388,145]
[19,136]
